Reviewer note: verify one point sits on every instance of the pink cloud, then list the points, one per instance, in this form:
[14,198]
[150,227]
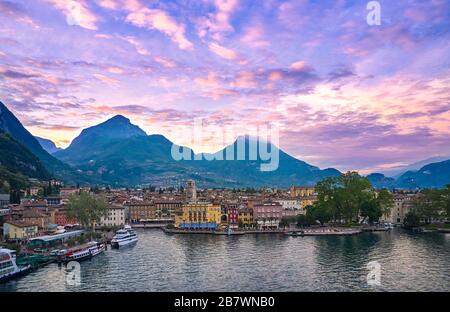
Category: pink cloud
[161,21]
[226,53]
[254,37]
[299,65]
[219,22]
[165,62]
[245,80]
[107,80]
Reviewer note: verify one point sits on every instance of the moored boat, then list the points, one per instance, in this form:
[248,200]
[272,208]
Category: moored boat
[123,237]
[295,233]
[8,266]
[84,252]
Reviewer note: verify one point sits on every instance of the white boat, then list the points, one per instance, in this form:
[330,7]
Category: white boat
[60,230]
[8,267]
[124,237]
[84,252]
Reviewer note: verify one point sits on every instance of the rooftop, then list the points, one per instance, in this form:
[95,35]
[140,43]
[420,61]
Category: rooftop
[20,224]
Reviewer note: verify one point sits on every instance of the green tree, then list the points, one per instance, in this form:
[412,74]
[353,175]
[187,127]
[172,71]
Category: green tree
[371,210]
[4,187]
[430,204]
[341,198]
[305,220]
[87,209]
[386,201]
[412,219]
[445,198]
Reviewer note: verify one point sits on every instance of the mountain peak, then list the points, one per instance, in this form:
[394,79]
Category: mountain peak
[117,127]
[118,119]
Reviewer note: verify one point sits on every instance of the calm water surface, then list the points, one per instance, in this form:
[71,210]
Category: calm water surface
[162,262]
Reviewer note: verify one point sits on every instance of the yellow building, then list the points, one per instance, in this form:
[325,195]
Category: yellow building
[198,216]
[302,191]
[307,201]
[19,230]
[245,217]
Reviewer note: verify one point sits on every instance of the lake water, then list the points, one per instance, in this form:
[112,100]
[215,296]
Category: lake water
[258,262]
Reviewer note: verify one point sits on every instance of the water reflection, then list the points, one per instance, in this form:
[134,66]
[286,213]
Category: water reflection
[259,262]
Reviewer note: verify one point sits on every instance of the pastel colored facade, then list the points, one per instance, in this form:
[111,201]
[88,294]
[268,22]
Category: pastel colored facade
[166,210]
[115,216]
[61,218]
[402,205]
[291,207]
[268,214]
[141,211]
[198,216]
[307,201]
[245,217]
[19,230]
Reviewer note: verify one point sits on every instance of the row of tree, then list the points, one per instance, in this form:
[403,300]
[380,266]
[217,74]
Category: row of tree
[429,205]
[349,198]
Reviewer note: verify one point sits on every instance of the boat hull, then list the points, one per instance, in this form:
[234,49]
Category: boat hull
[86,256]
[122,243]
[21,272]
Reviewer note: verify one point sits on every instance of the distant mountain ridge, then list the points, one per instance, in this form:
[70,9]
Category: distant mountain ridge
[434,175]
[398,171]
[17,163]
[118,153]
[48,145]
[11,125]
[127,156]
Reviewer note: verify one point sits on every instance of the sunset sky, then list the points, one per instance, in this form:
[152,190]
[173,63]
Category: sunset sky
[344,94]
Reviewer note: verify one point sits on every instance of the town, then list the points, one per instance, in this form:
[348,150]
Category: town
[43,209]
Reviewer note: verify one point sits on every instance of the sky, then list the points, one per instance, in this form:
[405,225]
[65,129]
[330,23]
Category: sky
[343,93]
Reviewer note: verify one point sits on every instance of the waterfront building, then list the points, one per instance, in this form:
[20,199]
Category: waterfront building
[268,214]
[245,217]
[167,209]
[19,230]
[291,207]
[233,216]
[198,216]
[141,211]
[47,241]
[191,191]
[402,205]
[115,216]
